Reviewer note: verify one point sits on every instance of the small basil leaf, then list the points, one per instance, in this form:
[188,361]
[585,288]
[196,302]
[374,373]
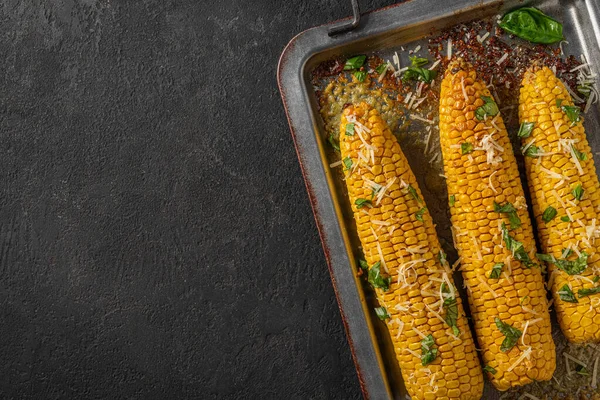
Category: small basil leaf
[489,369]
[525,129]
[334,143]
[349,129]
[347,163]
[354,62]
[496,271]
[466,148]
[549,214]
[376,279]
[511,334]
[419,214]
[588,292]
[428,352]
[382,313]
[489,108]
[360,203]
[452,200]
[566,294]
[360,75]
[578,192]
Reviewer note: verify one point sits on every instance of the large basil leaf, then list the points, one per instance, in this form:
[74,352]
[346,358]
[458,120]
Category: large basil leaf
[533,25]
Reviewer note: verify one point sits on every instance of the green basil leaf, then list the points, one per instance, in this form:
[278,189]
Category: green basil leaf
[518,251]
[489,369]
[565,218]
[419,214]
[580,156]
[578,192]
[381,68]
[376,279]
[596,279]
[566,294]
[571,267]
[418,73]
[354,62]
[347,163]
[511,334]
[360,75]
[496,271]
[334,143]
[416,61]
[349,129]
[452,200]
[360,203]
[549,214]
[414,193]
[585,90]
[428,352]
[581,370]
[533,25]
[532,151]
[588,291]
[451,307]
[466,148]
[573,113]
[525,129]
[382,313]
[511,212]
[363,265]
[489,108]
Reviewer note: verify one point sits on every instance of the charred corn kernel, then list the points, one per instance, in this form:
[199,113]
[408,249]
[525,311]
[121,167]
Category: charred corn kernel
[467,115]
[563,162]
[407,250]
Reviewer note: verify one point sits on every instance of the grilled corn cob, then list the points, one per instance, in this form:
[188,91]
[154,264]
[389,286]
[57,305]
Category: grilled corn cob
[493,232]
[399,240]
[561,160]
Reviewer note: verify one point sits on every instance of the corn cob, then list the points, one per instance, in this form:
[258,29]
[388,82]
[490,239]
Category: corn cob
[488,214]
[399,239]
[562,160]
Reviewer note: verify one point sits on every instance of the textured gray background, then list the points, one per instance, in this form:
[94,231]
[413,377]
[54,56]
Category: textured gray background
[155,235]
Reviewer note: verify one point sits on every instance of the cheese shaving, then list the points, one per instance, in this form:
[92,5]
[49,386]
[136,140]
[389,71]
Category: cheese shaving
[381,258]
[416,117]
[449,49]
[501,59]
[519,360]
[485,285]
[418,332]
[552,174]
[462,84]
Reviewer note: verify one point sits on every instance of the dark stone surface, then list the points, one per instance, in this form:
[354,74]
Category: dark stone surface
[155,235]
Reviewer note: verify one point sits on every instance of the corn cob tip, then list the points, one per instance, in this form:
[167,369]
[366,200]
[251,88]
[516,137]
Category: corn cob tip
[457,64]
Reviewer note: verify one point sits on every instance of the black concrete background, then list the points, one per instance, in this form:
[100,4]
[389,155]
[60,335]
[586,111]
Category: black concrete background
[155,235]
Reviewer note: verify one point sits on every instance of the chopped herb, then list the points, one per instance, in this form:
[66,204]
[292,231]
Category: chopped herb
[571,267]
[566,294]
[511,334]
[573,113]
[585,90]
[414,193]
[580,155]
[382,313]
[354,62]
[533,25]
[347,163]
[381,68]
[428,353]
[419,73]
[360,75]
[419,214]
[349,129]
[452,200]
[589,291]
[363,264]
[578,192]
[558,103]
[525,129]
[376,279]
[442,257]
[511,211]
[489,108]
[466,148]
[489,369]
[532,151]
[496,271]
[516,247]
[524,298]
[334,143]
[360,203]
[581,370]
[596,279]
[565,218]
[416,61]
[451,307]
[549,214]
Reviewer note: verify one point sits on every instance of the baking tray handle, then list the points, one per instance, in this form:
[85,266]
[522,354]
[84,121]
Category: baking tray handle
[347,26]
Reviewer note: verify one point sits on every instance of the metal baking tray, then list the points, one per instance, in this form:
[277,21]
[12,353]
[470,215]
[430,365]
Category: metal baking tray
[382,31]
